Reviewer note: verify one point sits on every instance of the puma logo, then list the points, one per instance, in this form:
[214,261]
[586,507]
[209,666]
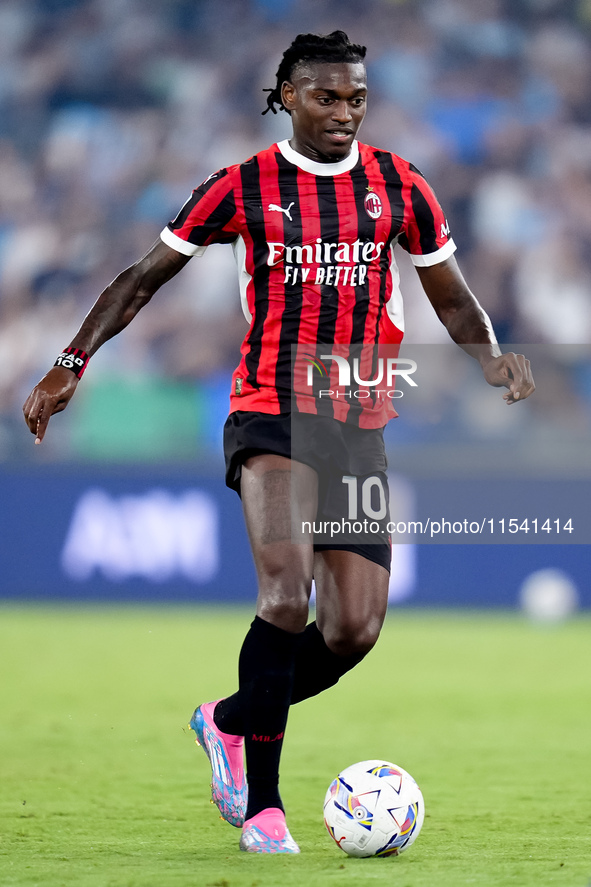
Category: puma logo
[279,209]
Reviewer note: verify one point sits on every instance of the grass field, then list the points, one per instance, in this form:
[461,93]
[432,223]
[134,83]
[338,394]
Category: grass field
[102,784]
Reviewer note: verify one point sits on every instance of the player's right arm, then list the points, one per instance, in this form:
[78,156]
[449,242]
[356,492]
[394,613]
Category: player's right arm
[117,305]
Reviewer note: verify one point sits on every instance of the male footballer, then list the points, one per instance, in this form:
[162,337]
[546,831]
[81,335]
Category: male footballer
[313,221]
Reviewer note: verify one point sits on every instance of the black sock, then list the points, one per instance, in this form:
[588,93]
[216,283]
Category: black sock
[316,666]
[276,669]
[258,711]
[227,714]
[316,669]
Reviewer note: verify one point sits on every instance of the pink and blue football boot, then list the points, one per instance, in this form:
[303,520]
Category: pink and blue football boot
[225,752]
[267,833]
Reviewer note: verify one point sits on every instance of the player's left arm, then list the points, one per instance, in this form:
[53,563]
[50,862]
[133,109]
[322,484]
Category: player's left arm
[469,325]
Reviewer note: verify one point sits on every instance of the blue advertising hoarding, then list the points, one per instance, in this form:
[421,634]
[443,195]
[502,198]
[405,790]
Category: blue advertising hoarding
[164,534]
[121,534]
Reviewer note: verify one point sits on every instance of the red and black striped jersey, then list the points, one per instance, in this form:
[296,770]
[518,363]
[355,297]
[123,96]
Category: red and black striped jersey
[314,247]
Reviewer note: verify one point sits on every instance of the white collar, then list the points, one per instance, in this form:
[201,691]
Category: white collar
[316,168]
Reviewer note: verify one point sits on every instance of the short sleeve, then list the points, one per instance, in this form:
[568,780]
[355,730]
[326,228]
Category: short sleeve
[208,216]
[425,233]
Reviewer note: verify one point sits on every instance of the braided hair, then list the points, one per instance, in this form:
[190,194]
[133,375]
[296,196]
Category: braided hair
[335,47]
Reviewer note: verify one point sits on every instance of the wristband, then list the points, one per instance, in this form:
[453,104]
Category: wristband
[74,359]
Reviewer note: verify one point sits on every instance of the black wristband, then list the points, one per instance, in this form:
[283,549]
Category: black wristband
[74,359]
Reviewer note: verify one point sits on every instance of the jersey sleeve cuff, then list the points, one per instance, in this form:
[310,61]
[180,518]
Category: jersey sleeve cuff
[181,246]
[440,255]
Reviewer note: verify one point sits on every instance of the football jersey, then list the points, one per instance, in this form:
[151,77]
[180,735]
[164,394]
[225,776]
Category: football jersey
[314,247]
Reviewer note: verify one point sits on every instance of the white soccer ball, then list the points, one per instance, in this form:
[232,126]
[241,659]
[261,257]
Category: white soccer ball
[374,808]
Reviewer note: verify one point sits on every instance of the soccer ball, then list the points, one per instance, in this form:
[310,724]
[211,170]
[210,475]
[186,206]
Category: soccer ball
[374,808]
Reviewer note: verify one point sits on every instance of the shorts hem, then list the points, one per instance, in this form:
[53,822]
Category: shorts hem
[378,554]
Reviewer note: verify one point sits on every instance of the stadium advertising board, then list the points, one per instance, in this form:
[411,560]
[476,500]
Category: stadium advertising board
[156,535]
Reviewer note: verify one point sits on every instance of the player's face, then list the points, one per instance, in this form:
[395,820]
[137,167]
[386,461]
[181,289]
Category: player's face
[327,103]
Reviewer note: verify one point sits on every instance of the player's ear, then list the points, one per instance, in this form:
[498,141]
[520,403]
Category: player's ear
[288,95]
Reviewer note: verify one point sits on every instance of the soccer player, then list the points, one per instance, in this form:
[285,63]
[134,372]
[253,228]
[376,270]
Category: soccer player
[312,221]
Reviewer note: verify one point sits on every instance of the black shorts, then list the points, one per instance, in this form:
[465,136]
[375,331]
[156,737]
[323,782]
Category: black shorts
[351,465]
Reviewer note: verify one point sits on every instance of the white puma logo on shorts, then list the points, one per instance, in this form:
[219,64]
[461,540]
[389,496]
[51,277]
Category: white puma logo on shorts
[279,209]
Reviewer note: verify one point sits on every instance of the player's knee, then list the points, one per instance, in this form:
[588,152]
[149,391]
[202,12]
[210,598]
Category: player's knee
[284,607]
[351,638]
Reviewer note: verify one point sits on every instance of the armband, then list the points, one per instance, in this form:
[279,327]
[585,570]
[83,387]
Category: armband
[74,359]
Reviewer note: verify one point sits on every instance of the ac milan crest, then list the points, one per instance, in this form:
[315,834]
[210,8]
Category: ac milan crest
[373,205]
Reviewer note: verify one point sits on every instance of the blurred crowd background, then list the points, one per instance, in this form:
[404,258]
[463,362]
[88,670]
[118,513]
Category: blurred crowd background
[111,111]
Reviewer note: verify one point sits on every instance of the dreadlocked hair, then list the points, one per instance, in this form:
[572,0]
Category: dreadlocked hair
[335,47]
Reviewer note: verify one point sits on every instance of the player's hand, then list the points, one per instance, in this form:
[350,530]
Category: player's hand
[510,371]
[51,395]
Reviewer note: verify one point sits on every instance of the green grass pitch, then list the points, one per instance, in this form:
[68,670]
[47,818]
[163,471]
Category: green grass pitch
[102,784]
